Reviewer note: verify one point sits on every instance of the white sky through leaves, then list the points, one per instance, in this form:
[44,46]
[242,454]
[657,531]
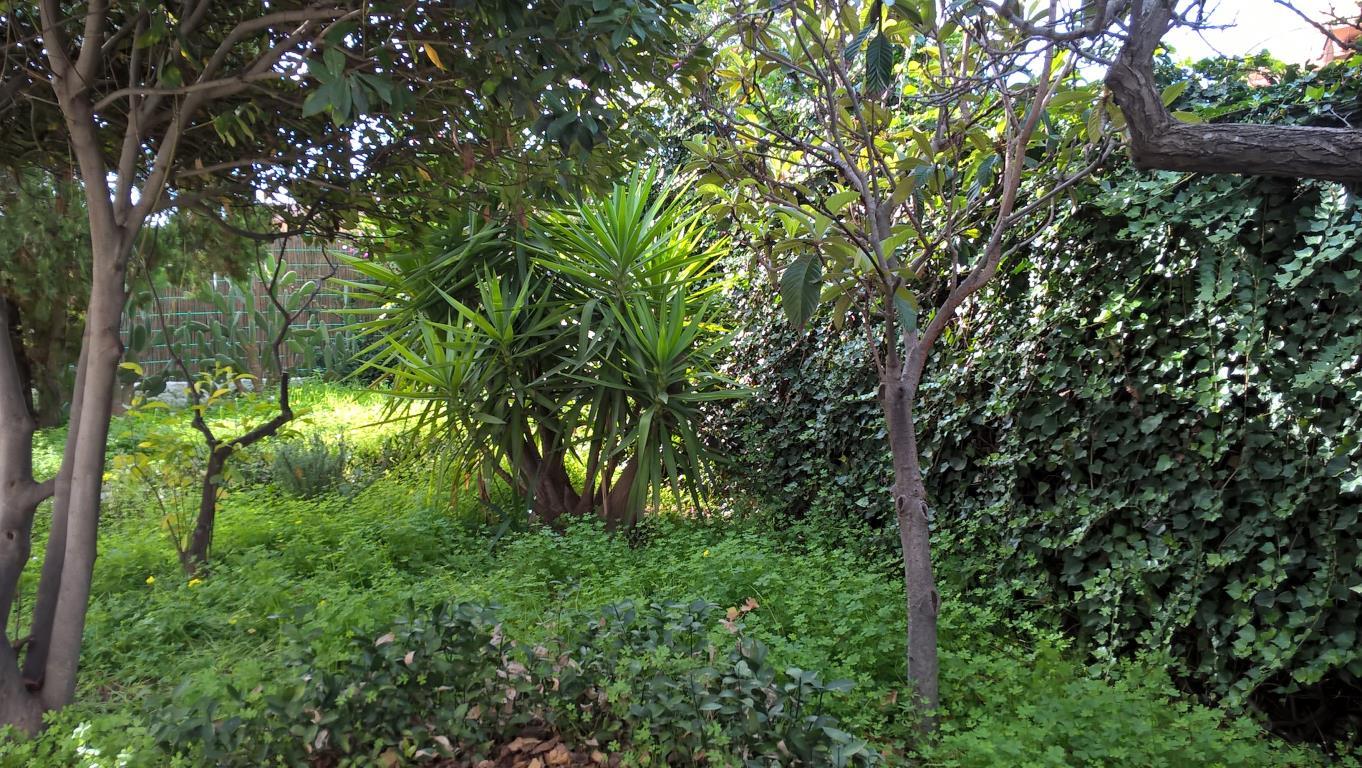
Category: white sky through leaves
[1255,25]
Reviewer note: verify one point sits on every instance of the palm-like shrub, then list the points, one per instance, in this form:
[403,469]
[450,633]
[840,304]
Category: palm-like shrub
[587,344]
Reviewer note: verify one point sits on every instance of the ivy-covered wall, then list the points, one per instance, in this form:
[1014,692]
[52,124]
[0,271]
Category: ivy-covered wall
[1152,428]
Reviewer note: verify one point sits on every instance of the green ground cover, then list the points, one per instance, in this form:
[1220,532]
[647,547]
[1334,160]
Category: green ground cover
[704,629]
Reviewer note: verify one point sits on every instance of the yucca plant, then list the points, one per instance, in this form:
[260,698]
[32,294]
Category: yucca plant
[581,348]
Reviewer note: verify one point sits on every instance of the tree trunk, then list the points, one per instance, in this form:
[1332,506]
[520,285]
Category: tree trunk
[50,368]
[52,398]
[899,392]
[196,554]
[64,587]
[18,706]
[104,350]
[554,495]
[19,499]
[615,497]
[45,604]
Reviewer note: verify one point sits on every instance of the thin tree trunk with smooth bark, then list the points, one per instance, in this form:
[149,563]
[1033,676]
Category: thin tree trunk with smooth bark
[107,298]
[195,556]
[911,509]
[49,581]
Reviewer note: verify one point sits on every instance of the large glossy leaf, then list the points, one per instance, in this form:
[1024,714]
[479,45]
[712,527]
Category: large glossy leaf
[800,286]
[879,64]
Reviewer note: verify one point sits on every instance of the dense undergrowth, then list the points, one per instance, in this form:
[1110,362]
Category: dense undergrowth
[371,624]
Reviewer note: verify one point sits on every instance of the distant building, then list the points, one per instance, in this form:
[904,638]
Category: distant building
[1346,34]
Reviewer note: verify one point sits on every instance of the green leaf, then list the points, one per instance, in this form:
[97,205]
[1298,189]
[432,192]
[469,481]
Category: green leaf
[906,307]
[317,102]
[1151,423]
[835,203]
[1172,92]
[800,286]
[853,48]
[879,64]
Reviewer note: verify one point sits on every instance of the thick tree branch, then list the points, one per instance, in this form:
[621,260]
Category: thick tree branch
[1159,141]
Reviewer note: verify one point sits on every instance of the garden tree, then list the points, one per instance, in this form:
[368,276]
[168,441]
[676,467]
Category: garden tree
[588,340]
[288,301]
[1140,422]
[43,222]
[306,107]
[898,153]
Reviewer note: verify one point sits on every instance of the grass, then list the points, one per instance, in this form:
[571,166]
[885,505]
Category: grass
[350,564]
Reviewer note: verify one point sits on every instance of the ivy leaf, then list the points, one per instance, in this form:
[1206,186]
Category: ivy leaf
[879,64]
[800,286]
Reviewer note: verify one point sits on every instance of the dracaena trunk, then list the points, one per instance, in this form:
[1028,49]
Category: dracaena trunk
[616,498]
[553,493]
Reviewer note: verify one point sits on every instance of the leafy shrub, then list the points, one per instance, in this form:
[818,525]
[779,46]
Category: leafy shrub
[670,691]
[1049,713]
[449,683]
[413,692]
[310,468]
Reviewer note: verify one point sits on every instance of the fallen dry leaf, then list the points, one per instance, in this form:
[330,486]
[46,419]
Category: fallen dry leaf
[545,747]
